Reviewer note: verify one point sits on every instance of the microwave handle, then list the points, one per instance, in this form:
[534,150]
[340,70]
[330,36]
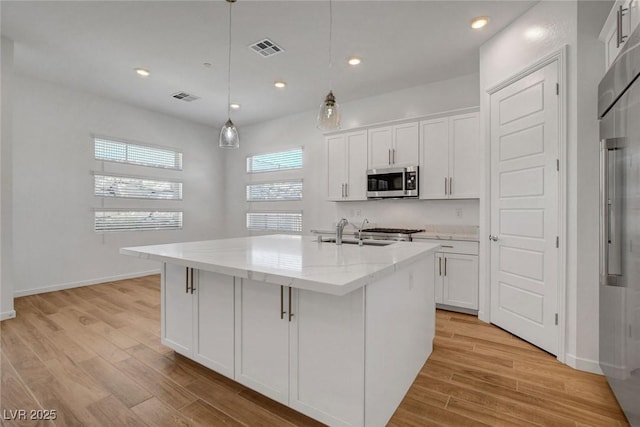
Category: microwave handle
[404,180]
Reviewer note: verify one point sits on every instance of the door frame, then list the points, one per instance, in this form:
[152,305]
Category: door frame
[559,56]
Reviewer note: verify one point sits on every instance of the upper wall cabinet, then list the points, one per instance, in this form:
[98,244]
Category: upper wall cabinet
[622,20]
[393,146]
[449,161]
[347,166]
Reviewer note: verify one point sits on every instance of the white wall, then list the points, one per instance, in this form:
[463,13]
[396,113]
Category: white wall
[300,130]
[54,245]
[575,24]
[6,263]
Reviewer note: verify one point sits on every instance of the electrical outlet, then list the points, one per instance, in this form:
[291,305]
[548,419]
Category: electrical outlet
[459,212]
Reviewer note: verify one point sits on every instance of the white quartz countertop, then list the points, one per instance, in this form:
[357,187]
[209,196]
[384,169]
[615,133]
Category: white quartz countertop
[297,261]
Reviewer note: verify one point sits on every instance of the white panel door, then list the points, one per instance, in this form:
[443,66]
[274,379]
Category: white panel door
[464,156]
[524,207]
[336,166]
[380,143]
[214,343]
[356,188]
[177,310]
[262,339]
[434,158]
[405,145]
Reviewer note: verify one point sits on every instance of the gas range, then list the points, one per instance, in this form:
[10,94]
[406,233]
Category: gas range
[398,234]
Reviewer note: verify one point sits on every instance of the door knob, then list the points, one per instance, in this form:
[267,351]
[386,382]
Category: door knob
[492,237]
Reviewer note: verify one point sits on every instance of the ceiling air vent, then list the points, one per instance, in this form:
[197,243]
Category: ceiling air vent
[184,96]
[266,48]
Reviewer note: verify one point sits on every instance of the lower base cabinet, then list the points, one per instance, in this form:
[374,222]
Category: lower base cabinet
[307,349]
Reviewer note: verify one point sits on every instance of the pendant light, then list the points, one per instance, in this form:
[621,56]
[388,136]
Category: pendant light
[329,114]
[229,133]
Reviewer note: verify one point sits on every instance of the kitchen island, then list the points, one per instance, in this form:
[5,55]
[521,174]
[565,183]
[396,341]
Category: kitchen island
[337,332]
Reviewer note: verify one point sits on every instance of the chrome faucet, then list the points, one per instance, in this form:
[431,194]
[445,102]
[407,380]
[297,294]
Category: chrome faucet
[364,221]
[339,229]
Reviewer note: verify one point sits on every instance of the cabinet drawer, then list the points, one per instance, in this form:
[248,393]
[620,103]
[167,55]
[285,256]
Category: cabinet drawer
[453,246]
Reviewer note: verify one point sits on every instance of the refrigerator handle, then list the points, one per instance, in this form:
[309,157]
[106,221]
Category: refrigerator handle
[608,235]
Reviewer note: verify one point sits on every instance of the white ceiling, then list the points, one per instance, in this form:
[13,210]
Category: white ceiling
[95,45]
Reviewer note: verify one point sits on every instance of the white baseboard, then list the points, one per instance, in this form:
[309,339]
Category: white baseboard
[583,364]
[7,315]
[71,285]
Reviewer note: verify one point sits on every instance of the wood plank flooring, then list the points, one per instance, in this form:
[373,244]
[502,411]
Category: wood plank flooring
[94,355]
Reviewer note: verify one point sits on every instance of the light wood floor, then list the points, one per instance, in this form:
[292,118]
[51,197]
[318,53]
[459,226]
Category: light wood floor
[94,355]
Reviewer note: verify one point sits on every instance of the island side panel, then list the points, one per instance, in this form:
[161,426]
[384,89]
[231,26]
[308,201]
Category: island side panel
[400,327]
[327,357]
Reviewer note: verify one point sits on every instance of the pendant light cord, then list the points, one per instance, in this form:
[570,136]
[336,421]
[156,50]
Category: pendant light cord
[330,44]
[229,68]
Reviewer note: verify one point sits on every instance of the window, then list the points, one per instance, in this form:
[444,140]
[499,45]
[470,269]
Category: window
[136,188]
[124,152]
[129,220]
[280,198]
[270,162]
[274,191]
[158,193]
[275,221]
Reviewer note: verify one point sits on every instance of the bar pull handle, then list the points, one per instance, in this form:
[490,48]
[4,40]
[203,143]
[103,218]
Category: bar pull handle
[450,181]
[290,312]
[394,156]
[282,312]
[445,186]
[620,37]
[440,266]
[193,288]
[445,266]
[610,275]
[389,153]
[446,246]
[346,189]
[186,281]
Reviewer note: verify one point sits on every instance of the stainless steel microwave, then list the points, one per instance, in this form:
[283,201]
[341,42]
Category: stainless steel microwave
[392,182]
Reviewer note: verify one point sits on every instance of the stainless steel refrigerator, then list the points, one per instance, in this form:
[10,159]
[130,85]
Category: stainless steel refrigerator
[619,113]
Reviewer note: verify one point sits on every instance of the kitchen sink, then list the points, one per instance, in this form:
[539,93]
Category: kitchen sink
[365,242]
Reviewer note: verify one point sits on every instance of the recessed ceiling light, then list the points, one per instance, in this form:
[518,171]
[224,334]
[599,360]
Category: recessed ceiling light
[280,85]
[354,61]
[143,72]
[479,22]
[234,106]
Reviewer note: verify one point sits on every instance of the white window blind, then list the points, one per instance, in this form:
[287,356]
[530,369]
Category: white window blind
[269,162]
[125,152]
[274,191]
[274,221]
[136,188]
[136,220]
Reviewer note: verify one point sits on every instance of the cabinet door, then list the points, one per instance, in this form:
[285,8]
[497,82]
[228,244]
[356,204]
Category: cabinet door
[262,339]
[214,345]
[438,277]
[336,166]
[380,143]
[634,15]
[177,310]
[461,281]
[357,166]
[464,161]
[434,158]
[405,143]
[327,351]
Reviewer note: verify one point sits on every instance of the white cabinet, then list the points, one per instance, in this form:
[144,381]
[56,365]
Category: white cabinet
[449,161]
[393,146]
[198,320]
[347,166]
[214,321]
[456,273]
[622,20]
[177,304]
[262,338]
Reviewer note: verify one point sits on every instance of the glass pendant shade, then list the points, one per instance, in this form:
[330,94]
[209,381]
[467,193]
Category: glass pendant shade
[329,114]
[229,136]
